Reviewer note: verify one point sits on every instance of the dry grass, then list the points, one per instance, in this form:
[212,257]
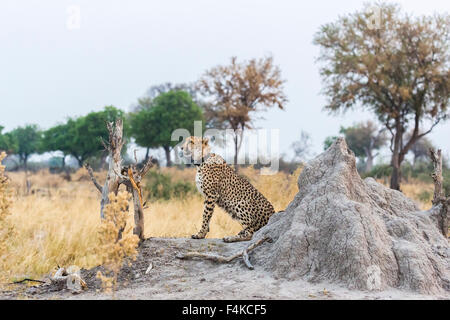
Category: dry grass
[417,190]
[59,223]
[6,229]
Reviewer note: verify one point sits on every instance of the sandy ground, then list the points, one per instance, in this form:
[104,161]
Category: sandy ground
[172,278]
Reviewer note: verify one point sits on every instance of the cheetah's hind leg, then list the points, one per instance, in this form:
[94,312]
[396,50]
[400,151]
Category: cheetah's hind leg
[243,235]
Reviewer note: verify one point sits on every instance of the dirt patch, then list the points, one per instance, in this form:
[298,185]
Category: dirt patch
[172,278]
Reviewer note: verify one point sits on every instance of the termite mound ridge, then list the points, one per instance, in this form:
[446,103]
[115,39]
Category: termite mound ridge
[343,229]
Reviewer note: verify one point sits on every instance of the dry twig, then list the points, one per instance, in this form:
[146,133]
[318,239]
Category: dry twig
[94,180]
[226,259]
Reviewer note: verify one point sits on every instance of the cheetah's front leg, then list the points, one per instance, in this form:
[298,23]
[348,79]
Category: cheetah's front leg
[243,235]
[207,214]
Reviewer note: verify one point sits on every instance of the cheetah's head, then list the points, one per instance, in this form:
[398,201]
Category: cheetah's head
[195,149]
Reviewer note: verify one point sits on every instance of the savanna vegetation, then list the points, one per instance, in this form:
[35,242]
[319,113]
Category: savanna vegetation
[49,209]
[58,223]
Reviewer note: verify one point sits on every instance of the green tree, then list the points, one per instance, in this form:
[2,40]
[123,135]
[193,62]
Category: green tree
[82,137]
[364,139]
[152,125]
[399,70]
[27,140]
[7,142]
[87,133]
[329,141]
[58,138]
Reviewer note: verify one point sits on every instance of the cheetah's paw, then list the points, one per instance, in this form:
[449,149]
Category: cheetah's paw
[198,236]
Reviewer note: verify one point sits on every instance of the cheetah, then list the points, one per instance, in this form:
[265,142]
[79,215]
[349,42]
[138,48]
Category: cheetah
[219,184]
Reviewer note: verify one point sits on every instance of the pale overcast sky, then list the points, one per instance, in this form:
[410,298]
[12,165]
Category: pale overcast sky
[49,71]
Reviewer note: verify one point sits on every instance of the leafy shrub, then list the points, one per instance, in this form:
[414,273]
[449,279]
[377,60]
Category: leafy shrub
[425,196]
[161,186]
[420,171]
[379,171]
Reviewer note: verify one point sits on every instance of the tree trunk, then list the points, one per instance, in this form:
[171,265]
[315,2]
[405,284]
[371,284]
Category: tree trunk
[436,158]
[146,154]
[369,161]
[114,163]
[440,211]
[396,174]
[167,152]
[25,163]
[395,161]
[135,189]
[238,136]
[27,182]
[236,152]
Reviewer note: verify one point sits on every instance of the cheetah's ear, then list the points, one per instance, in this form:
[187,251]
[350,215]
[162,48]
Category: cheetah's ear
[205,141]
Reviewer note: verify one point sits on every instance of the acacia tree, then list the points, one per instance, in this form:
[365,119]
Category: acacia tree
[27,140]
[237,91]
[58,138]
[399,70]
[156,90]
[365,139]
[152,125]
[87,134]
[7,142]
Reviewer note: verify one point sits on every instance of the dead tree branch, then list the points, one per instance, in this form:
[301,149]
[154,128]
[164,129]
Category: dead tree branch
[436,158]
[226,259]
[94,180]
[439,198]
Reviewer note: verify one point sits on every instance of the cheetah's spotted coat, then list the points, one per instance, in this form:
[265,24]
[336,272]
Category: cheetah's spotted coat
[220,185]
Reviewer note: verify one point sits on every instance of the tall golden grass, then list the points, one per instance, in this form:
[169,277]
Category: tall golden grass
[57,223]
[6,230]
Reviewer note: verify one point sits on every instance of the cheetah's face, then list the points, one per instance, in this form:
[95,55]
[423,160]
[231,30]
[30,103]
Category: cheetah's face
[194,149]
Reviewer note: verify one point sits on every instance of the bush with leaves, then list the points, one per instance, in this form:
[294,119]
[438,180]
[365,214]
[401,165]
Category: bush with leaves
[117,244]
[161,186]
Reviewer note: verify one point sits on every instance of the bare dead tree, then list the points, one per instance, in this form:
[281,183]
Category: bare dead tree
[439,198]
[130,176]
